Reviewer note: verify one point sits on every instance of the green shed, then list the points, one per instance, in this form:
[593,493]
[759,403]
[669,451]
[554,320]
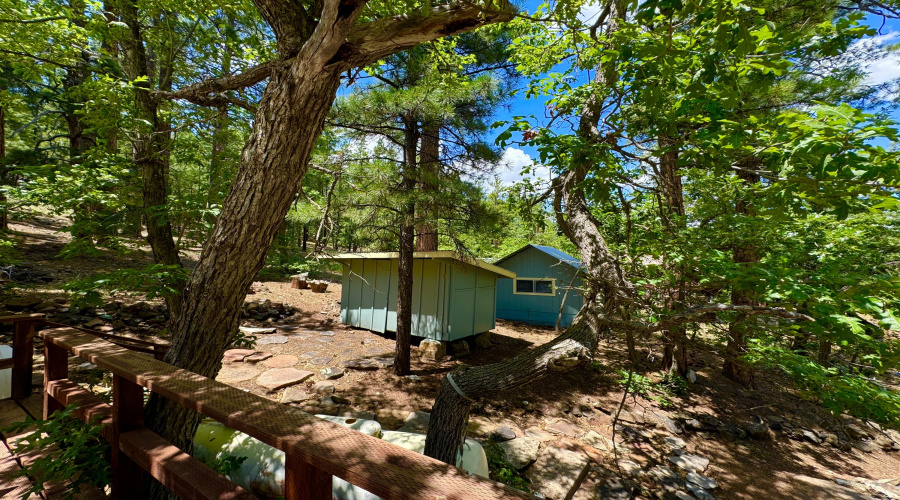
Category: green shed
[453,296]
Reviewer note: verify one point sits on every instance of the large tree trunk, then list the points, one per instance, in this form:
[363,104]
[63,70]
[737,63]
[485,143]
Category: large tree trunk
[430,168]
[745,253]
[407,246]
[288,122]
[672,215]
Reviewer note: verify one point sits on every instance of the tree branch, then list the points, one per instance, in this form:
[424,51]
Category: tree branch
[703,314]
[203,91]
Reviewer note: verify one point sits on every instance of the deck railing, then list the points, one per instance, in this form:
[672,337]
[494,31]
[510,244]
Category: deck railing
[315,449]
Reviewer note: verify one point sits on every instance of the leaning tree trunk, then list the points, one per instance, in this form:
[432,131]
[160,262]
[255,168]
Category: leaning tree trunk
[4,214]
[288,122]
[745,253]
[407,247]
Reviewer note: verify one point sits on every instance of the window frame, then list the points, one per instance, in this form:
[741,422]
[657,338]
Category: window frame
[534,286]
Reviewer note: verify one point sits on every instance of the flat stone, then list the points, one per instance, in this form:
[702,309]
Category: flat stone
[325,340]
[323,387]
[520,452]
[361,364]
[322,361]
[391,419]
[692,376]
[282,377]
[480,426]
[21,303]
[566,428]
[503,433]
[272,339]
[239,373]
[249,330]
[416,421]
[812,487]
[558,473]
[256,358]
[811,436]
[310,354]
[699,492]
[281,361]
[602,442]
[332,373]
[690,462]
[707,483]
[665,476]
[674,442]
[615,488]
[630,467]
[361,415]
[236,355]
[539,434]
[294,395]
[327,333]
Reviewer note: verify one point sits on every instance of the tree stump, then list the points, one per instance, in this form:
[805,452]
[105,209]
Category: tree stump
[318,286]
[299,281]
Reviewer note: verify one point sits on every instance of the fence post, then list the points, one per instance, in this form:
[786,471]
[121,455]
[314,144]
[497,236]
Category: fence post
[56,367]
[23,358]
[303,481]
[128,414]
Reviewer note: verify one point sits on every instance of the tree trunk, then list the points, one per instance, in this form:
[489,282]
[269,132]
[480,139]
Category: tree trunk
[744,253]
[824,353]
[430,169]
[4,210]
[407,246]
[305,237]
[151,145]
[288,122]
[675,338]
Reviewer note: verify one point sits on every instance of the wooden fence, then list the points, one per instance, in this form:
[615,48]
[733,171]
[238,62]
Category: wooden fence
[315,449]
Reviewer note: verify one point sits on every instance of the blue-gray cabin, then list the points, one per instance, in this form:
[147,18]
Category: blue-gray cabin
[534,296]
[453,297]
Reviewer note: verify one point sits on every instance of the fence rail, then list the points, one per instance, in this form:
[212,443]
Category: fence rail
[316,450]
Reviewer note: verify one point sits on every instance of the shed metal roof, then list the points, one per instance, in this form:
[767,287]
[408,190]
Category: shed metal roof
[440,254]
[552,252]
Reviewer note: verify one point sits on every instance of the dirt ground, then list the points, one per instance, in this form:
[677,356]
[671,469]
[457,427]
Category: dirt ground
[744,468]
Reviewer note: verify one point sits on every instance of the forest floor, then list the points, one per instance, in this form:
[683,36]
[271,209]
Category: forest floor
[766,442]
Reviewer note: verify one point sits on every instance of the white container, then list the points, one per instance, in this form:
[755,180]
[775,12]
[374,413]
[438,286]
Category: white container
[6,352]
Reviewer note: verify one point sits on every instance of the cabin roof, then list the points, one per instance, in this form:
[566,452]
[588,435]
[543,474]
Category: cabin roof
[552,252]
[439,254]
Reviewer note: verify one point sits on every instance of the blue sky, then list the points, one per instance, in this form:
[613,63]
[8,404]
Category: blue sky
[515,158]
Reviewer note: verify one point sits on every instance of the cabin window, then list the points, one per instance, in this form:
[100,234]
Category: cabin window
[534,286]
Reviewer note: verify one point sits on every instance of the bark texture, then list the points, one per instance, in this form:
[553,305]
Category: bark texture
[430,168]
[407,247]
[672,191]
[4,213]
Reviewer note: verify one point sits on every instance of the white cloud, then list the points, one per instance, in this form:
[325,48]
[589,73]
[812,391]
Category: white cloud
[516,165]
[880,64]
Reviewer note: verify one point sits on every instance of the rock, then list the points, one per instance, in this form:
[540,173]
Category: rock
[483,340]
[332,373]
[282,377]
[503,433]
[857,432]
[281,361]
[432,350]
[667,423]
[361,364]
[691,376]
[294,395]
[93,323]
[323,387]
[340,399]
[520,452]
[541,435]
[391,419]
[85,367]
[480,426]
[310,354]
[257,357]
[325,340]
[459,348]
[665,477]
[416,421]
[249,330]
[327,333]
[732,430]
[674,443]
[707,483]
[811,436]
[21,303]
[558,473]
[865,446]
[237,373]
[757,430]
[629,467]
[236,355]
[886,443]
[322,361]
[566,428]
[699,492]
[272,339]
[615,488]
[690,462]
[361,415]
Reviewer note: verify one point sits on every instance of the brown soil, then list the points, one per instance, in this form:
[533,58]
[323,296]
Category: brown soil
[745,468]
